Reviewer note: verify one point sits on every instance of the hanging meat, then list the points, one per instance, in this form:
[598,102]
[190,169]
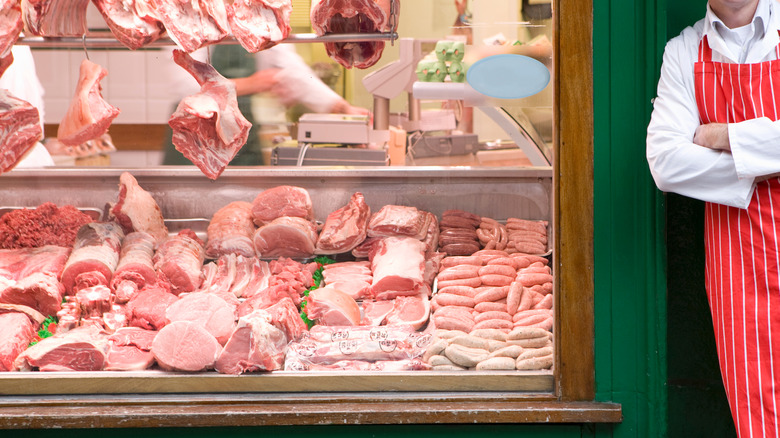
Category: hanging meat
[354,16]
[11,25]
[20,125]
[89,115]
[55,18]
[259,24]
[128,22]
[192,24]
[208,127]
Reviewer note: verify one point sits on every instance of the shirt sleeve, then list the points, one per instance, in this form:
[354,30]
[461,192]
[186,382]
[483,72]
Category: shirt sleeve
[306,86]
[755,146]
[676,163]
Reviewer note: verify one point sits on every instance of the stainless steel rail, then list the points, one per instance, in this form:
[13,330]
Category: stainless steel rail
[106,40]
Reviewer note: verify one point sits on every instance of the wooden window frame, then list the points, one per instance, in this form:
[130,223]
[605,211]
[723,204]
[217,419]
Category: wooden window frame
[572,400]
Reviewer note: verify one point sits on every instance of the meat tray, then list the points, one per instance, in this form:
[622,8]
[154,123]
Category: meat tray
[187,198]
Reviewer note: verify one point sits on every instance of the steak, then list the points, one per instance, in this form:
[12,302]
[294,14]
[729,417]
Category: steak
[259,24]
[208,128]
[208,310]
[412,310]
[89,115]
[80,349]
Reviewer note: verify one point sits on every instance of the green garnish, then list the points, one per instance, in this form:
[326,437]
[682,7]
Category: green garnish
[317,280]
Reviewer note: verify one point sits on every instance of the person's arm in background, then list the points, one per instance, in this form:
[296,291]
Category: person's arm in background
[296,83]
[677,163]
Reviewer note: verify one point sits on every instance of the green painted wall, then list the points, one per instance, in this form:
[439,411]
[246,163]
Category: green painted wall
[630,299]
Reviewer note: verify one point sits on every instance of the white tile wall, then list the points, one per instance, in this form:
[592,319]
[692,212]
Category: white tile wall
[138,82]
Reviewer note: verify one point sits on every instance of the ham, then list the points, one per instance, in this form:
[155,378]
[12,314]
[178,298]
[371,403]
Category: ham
[208,310]
[89,115]
[352,278]
[230,231]
[375,312]
[398,265]
[136,209]
[285,236]
[135,269]
[259,24]
[412,310]
[94,257]
[185,346]
[281,201]
[208,128]
[354,16]
[18,330]
[330,306]
[255,345]
[344,228]
[130,26]
[178,261]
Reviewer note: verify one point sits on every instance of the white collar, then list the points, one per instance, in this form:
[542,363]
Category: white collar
[765,18]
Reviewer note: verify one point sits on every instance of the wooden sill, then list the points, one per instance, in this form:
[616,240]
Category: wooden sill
[175,410]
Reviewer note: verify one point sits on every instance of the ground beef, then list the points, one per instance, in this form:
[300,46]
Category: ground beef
[45,225]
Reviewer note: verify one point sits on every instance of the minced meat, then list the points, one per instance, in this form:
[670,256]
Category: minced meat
[45,225]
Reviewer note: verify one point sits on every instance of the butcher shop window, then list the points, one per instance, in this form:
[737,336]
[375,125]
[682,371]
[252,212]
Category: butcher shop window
[437,264]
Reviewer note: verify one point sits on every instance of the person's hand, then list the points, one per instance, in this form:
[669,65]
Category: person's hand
[343,107]
[714,136]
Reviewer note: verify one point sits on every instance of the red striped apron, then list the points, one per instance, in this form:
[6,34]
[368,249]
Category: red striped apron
[742,261]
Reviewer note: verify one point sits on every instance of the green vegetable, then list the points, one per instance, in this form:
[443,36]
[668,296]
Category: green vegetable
[317,278]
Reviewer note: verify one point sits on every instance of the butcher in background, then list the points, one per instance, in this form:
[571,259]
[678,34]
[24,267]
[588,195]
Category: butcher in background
[278,70]
[21,80]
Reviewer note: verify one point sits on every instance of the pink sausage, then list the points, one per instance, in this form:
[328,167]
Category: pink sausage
[492,294]
[545,303]
[513,297]
[452,312]
[515,262]
[535,270]
[465,291]
[531,319]
[458,272]
[496,280]
[484,316]
[491,252]
[547,324]
[450,261]
[529,280]
[543,289]
[525,313]
[471,282]
[526,299]
[488,306]
[500,324]
[447,323]
[454,300]
[530,258]
[489,269]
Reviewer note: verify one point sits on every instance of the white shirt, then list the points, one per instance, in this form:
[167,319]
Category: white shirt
[676,163]
[22,81]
